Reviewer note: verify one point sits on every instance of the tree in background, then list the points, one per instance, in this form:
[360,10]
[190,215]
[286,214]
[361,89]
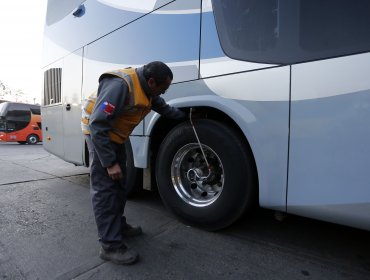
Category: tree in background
[4,90]
[7,93]
[18,94]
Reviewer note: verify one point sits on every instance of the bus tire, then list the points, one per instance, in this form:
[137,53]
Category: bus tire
[216,202]
[134,176]
[32,139]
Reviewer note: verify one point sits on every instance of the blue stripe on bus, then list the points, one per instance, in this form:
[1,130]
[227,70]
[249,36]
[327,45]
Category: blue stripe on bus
[170,38]
[211,47]
[136,43]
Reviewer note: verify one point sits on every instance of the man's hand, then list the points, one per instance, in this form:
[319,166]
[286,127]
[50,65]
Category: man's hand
[115,172]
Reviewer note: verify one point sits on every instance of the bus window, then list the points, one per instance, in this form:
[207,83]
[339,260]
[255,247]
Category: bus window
[18,119]
[345,30]
[2,125]
[10,126]
[35,111]
[291,31]
[2,116]
[2,109]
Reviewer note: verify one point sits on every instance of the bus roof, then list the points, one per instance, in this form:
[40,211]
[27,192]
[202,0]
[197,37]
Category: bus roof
[4,107]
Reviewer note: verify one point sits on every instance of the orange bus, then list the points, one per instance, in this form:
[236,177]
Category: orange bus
[20,123]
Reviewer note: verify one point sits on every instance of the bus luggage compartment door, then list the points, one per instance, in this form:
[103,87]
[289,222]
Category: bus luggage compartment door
[71,100]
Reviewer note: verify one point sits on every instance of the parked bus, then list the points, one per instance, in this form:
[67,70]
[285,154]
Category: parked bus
[281,91]
[20,123]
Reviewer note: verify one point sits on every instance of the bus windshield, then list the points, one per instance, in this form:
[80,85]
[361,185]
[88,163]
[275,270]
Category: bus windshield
[2,109]
[2,117]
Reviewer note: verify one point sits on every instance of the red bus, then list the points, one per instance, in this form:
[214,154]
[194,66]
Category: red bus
[20,123]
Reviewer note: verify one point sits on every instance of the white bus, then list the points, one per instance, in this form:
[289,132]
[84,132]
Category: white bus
[281,90]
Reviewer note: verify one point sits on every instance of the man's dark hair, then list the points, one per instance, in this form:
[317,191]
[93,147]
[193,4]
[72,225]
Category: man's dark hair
[158,71]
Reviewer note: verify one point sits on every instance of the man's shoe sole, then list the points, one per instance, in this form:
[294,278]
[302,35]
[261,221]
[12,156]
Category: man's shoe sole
[127,262]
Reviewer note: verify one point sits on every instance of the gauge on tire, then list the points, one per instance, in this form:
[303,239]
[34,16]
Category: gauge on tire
[211,196]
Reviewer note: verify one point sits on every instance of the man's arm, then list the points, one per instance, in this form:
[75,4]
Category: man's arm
[110,101]
[160,106]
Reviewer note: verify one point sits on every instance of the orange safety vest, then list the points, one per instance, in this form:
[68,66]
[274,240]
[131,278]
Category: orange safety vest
[134,111]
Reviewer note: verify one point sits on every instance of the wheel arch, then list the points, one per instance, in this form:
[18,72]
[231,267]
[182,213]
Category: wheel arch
[225,111]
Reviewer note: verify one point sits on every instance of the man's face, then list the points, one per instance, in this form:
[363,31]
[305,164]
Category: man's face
[158,89]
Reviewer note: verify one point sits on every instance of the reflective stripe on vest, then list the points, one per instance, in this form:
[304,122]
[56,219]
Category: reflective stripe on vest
[137,106]
[87,108]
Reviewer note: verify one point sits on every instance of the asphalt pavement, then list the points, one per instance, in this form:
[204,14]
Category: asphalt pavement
[47,231]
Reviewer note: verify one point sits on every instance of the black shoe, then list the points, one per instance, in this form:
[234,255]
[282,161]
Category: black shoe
[131,231]
[123,255]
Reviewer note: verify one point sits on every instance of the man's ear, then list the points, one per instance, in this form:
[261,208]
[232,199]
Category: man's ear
[151,82]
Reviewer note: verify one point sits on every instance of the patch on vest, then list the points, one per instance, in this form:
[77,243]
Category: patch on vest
[107,108]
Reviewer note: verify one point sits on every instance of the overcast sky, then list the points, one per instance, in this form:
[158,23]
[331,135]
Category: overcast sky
[21,31]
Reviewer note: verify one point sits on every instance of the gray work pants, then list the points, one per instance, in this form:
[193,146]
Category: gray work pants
[108,197]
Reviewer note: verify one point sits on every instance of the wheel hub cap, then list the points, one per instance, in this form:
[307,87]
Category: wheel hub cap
[195,182]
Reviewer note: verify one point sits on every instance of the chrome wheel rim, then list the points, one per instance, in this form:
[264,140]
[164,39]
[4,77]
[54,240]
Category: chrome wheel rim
[33,140]
[194,183]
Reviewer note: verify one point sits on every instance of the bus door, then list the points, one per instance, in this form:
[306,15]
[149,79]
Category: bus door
[62,108]
[51,111]
[329,148]
[71,107]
